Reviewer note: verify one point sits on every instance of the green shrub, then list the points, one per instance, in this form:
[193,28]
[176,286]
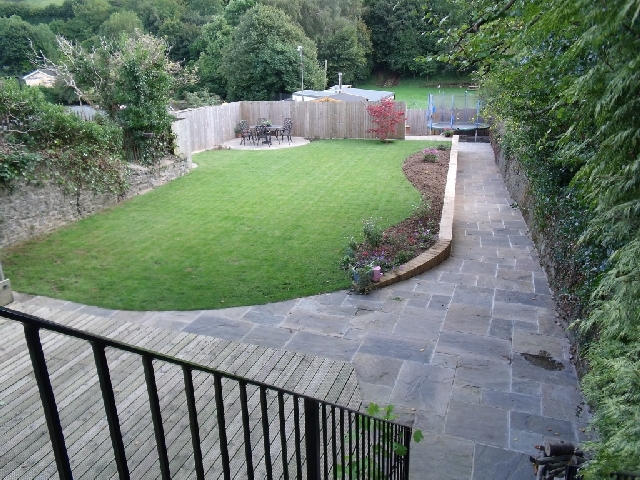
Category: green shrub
[430,155]
[372,232]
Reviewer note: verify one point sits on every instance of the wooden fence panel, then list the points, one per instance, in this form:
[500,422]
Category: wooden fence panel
[417,120]
[203,128]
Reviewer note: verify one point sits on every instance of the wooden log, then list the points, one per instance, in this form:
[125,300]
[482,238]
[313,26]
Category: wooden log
[557,472]
[554,449]
[556,459]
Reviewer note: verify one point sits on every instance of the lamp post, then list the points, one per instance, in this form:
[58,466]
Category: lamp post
[301,72]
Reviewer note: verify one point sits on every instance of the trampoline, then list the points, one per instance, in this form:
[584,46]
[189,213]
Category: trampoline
[457,119]
[462,126]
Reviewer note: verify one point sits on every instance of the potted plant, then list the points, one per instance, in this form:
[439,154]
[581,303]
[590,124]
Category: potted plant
[238,130]
[362,276]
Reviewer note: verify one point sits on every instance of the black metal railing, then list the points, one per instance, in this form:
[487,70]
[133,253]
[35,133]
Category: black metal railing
[261,430]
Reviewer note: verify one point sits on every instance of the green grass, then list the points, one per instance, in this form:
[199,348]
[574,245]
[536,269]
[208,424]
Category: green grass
[244,228]
[416,91]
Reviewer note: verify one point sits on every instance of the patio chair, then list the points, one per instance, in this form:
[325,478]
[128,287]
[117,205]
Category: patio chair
[287,126]
[263,133]
[245,132]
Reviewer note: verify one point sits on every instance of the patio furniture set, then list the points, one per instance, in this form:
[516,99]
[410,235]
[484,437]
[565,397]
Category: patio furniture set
[262,132]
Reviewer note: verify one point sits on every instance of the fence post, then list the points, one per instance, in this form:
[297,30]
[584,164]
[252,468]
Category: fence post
[312,438]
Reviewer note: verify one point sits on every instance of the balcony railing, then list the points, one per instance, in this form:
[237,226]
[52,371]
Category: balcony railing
[252,429]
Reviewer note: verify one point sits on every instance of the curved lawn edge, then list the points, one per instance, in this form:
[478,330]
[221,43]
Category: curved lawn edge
[441,250]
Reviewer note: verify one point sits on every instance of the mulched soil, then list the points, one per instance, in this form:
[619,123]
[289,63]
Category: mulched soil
[430,179]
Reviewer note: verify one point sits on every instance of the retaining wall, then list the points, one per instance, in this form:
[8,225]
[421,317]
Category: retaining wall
[35,208]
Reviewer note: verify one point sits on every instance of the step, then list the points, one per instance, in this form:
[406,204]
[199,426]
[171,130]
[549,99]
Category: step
[26,453]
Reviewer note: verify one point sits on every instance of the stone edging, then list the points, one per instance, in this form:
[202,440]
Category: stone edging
[441,250]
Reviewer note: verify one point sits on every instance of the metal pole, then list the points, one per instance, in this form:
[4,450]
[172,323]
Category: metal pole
[312,438]
[452,108]
[301,72]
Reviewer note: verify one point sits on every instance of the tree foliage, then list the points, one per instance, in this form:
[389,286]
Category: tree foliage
[19,43]
[386,117]
[208,48]
[41,140]
[564,78]
[132,80]
[262,58]
[119,23]
[398,34]
[346,50]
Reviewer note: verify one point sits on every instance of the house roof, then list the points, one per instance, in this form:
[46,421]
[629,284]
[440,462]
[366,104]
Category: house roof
[46,71]
[347,97]
[347,94]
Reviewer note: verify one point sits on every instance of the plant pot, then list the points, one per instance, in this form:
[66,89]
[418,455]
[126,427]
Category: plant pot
[355,275]
[407,129]
[376,274]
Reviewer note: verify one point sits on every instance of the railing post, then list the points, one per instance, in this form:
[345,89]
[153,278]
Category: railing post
[111,411]
[156,416]
[407,443]
[312,438]
[193,421]
[51,415]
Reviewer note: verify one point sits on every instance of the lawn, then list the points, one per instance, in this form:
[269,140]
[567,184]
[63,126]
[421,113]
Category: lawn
[415,92]
[243,228]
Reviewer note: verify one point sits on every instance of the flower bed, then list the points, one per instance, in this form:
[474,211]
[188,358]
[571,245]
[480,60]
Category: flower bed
[400,243]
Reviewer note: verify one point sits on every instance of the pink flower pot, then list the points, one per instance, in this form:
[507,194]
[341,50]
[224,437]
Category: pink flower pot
[376,274]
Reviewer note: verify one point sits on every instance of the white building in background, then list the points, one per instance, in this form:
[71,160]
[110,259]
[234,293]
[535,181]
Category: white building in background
[41,76]
[341,93]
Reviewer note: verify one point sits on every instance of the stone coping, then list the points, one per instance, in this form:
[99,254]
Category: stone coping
[441,250]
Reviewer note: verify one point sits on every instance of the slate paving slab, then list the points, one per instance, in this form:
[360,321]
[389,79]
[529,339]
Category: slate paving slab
[442,457]
[491,463]
[424,387]
[480,423]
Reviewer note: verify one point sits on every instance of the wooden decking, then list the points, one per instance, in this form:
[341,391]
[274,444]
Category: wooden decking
[26,450]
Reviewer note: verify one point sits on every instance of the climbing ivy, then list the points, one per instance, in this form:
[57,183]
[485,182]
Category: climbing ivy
[42,140]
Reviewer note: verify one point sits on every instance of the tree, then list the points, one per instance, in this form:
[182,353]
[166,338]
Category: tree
[205,8]
[235,9]
[179,36]
[208,48]
[92,12]
[386,117]
[132,80]
[19,44]
[315,16]
[398,34]
[118,23]
[154,13]
[262,58]
[342,48]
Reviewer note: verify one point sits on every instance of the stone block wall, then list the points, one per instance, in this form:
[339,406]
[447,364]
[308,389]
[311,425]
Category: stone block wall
[33,208]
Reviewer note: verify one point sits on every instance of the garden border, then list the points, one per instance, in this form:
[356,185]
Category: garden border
[441,250]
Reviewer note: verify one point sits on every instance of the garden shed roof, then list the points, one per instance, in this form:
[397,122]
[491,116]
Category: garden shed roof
[345,94]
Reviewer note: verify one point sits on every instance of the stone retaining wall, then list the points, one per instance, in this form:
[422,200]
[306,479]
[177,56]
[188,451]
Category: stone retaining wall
[33,209]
